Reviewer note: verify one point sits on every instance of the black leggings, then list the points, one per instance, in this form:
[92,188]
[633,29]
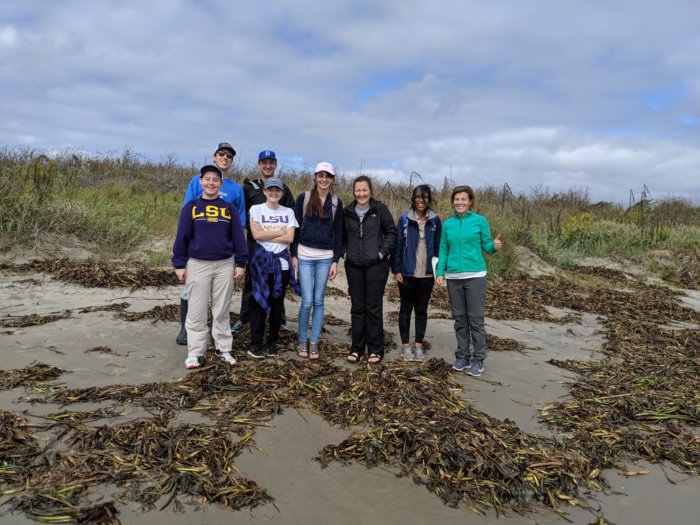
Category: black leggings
[415,295]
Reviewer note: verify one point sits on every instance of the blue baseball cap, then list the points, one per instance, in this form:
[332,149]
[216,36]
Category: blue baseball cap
[266,154]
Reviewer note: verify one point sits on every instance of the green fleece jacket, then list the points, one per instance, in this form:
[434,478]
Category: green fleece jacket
[462,240]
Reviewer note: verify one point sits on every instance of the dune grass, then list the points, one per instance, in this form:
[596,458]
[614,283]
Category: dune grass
[119,203]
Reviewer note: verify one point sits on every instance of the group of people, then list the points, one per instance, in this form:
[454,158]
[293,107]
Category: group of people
[298,243]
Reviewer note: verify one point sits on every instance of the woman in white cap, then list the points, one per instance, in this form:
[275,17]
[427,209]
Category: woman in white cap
[315,253]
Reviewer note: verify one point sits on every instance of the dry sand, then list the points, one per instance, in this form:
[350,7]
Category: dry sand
[513,386]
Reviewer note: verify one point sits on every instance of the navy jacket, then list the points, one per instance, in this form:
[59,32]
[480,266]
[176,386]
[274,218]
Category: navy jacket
[403,260]
[315,232]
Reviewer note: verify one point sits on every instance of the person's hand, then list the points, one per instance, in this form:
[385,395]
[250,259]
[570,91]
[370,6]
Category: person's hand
[295,265]
[333,271]
[238,272]
[381,256]
[181,274]
[256,226]
[439,280]
[497,242]
[398,278]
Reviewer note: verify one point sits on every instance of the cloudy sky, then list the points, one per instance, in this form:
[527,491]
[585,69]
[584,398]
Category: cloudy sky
[601,95]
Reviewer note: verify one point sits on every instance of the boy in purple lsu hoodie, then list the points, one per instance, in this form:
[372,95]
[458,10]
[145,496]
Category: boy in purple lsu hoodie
[209,235]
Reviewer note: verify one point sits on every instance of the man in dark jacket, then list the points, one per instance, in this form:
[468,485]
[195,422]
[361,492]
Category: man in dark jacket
[253,193]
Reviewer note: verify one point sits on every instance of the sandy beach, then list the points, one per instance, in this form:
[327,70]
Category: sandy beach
[514,386]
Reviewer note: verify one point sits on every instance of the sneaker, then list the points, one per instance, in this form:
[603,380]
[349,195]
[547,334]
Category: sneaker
[192,362]
[272,351]
[460,364]
[256,353]
[237,327]
[407,353]
[226,356]
[476,369]
[418,354]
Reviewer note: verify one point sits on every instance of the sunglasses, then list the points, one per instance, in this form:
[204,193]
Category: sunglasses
[224,153]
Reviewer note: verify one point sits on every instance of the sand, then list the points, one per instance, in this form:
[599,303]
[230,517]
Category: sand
[514,386]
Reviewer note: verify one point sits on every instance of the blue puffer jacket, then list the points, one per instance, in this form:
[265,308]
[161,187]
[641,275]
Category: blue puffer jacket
[403,260]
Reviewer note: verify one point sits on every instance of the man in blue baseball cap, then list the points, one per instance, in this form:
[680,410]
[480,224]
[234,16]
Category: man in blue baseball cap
[253,191]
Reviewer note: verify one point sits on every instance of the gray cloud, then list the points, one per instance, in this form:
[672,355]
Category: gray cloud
[530,93]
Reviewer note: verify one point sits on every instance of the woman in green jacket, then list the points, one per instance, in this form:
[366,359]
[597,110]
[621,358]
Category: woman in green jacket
[461,262]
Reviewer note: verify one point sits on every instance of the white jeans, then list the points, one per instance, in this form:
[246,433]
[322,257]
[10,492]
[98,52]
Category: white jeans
[208,281]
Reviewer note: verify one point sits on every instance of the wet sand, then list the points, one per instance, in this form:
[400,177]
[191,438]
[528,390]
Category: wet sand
[514,386]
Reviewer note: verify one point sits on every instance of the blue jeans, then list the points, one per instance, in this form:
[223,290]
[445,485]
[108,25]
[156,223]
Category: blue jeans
[313,276]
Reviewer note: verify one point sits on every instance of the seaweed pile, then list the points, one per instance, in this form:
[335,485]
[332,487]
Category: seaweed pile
[21,321]
[419,425]
[412,417]
[639,401]
[95,274]
[30,376]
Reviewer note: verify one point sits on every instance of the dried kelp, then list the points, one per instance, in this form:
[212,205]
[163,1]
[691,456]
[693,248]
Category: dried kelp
[49,509]
[418,424]
[499,344]
[115,307]
[167,313]
[20,321]
[96,274]
[30,376]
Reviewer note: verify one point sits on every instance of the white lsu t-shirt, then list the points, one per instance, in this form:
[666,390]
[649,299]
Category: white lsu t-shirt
[272,220]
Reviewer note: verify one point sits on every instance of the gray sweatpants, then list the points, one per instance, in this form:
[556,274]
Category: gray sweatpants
[468,300]
[208,281]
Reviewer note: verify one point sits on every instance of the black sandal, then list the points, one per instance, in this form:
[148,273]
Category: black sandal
[373,359]
[353,357]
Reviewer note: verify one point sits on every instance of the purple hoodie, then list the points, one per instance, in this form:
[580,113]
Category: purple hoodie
[209,230]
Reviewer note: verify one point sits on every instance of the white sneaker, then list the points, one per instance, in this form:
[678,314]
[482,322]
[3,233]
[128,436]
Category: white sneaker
[226,356]
[192,362]
[407,353]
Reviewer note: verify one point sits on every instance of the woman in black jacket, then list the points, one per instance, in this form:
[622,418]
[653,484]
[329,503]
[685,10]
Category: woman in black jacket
[369,235]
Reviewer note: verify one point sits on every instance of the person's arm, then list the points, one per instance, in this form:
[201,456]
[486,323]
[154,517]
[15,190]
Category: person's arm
[438,235]
[338,231]
[287,235]
[239,203]
[298,211]
[442,257]
[182,240]
[260,234]
[194,190]
[389,230]
[240,246]
[486,240]
[398,246]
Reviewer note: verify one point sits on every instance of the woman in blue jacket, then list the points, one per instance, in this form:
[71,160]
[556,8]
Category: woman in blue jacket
[417,242]
[315,253]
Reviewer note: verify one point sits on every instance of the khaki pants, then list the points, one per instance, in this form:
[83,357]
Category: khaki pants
[208,281]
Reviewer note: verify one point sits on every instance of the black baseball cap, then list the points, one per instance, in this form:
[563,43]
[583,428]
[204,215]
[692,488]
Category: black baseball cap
[226,146]
[208,168]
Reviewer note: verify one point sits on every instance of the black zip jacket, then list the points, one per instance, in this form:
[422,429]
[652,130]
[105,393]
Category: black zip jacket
[363,243]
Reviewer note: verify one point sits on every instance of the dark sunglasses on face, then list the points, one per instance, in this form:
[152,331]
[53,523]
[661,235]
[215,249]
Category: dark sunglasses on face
[224,153]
